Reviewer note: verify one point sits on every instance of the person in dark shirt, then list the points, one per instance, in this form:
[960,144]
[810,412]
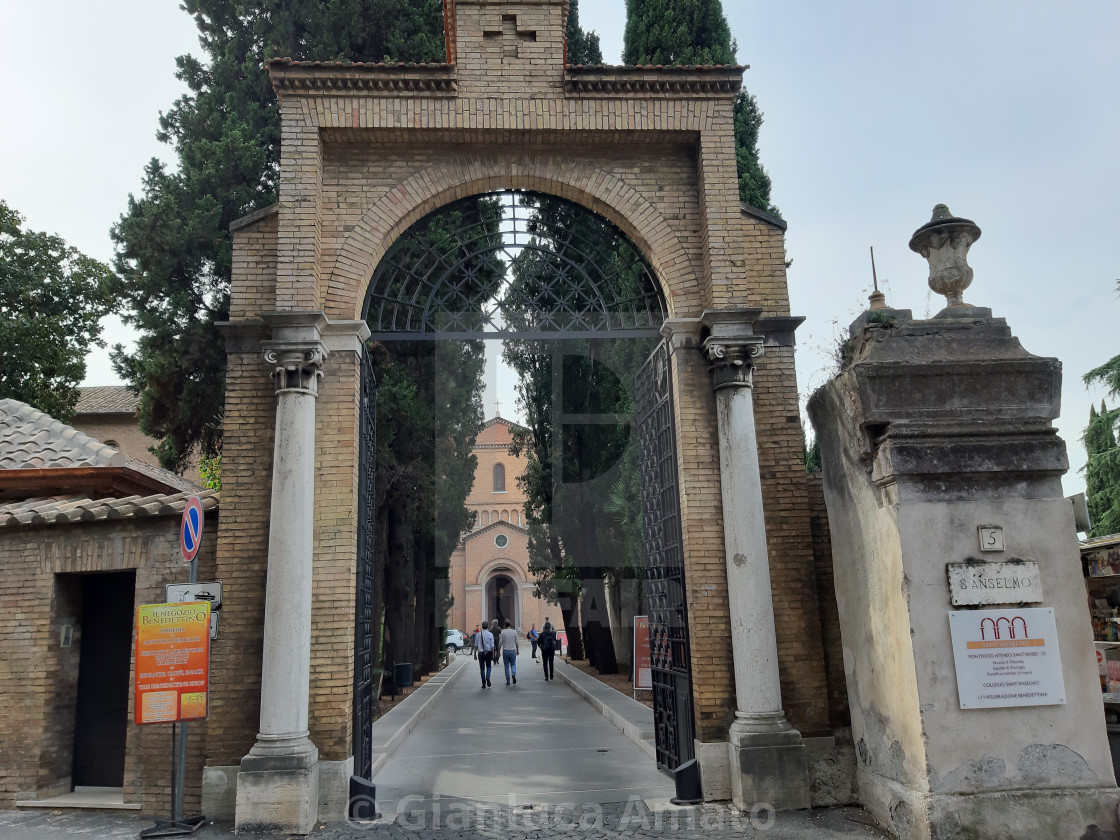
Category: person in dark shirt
[548,645]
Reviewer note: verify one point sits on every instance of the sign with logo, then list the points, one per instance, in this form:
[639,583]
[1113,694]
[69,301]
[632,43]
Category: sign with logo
[190,530]
[1011,582]
[1007,658]
[172,662]
[177,593]
[643,661]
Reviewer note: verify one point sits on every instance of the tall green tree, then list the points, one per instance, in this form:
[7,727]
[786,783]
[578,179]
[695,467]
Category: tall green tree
[52,299]
[684,32]
[583,47]
[579,546]
[1102,471]
[174,250]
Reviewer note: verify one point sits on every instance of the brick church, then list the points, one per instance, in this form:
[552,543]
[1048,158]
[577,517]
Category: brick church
[489,574]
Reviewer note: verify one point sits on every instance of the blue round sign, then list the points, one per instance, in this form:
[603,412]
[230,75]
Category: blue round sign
[190,530]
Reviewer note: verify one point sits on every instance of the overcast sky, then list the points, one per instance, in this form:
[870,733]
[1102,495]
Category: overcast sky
[876,110]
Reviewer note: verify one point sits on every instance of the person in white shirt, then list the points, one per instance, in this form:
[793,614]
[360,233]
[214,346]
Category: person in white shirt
[484,644]
[510,649]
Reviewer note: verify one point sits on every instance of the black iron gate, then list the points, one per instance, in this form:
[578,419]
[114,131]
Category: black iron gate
[363,608]
[663,561]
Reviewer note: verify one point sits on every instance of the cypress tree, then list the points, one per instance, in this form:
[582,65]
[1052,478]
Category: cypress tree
[687,32]
[1102,471]
[583,47]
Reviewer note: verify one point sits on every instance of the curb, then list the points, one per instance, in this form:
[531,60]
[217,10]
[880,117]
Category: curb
[394,726]
[628,716]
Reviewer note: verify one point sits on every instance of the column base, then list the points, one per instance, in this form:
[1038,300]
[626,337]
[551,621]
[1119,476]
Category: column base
[770,766]
[278,787]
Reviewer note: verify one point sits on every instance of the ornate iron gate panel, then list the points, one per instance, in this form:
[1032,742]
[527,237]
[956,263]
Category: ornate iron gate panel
[663,561]
[363,607]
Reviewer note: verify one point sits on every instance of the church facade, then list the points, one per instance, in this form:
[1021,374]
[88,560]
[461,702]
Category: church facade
[489,570]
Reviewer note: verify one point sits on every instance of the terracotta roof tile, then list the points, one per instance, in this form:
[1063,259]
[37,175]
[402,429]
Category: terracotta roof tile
[30,439]
[108,399]
[70,510]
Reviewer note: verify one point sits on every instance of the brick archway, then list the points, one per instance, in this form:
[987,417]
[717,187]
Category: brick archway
[467,175]
[367,151]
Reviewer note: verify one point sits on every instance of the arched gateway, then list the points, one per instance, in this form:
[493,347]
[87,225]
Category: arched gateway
[367,152]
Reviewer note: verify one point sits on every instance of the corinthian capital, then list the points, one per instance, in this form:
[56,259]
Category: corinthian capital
[296,368]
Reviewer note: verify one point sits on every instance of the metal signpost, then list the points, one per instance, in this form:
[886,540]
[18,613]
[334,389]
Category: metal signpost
[209,595]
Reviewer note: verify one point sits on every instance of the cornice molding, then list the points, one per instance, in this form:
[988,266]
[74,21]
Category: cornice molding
[691,82]
[329,77]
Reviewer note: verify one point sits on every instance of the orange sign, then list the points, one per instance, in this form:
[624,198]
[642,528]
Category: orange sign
[643,662]
[172,662]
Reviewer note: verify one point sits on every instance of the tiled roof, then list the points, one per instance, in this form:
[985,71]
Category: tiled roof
[30,439]
[71,510]
[107,399]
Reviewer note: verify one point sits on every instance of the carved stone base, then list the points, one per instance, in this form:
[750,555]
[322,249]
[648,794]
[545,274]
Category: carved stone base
[278,788]
[769,768]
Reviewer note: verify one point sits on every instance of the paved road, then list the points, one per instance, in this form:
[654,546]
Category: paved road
[534,743]
[528,762]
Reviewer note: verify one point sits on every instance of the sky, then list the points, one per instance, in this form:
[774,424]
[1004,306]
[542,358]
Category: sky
[875,111]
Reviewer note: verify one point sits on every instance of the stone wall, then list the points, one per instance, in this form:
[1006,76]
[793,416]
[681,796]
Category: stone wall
[41,589]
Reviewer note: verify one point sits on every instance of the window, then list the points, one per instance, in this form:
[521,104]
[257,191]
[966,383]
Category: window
[499,478]
[501,541]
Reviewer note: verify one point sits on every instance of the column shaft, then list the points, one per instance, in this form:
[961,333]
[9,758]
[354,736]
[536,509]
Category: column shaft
[754,641]
[287,621]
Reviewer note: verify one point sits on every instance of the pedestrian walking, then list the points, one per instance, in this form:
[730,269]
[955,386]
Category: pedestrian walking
[548,651]
[533,635]
[484,644]
[510,648]
[474,641]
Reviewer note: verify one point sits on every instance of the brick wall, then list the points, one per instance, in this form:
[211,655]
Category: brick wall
[41,589]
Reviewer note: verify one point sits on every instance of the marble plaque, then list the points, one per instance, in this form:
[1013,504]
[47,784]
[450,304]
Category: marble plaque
[1009,582]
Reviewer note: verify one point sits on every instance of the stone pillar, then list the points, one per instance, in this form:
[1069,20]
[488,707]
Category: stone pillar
[278,785]
[941,463]
[767,757]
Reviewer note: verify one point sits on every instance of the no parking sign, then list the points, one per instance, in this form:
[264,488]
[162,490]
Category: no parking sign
[190,530]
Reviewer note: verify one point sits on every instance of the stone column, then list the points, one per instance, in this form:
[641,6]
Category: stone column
[278,786]
[768,762]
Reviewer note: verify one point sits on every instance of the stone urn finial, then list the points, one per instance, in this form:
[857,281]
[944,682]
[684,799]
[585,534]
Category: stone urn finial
[944,241]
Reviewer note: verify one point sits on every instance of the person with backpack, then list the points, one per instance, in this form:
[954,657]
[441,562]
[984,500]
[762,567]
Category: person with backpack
[533,636]
[547,642]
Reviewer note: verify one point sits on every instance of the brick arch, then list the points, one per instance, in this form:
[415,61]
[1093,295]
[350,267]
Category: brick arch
[460,177]
[487,570]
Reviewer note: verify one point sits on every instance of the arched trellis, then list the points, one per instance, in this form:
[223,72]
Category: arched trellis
[457,177]
[513,264]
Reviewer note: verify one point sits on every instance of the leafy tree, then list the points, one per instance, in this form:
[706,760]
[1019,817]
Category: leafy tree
[52,299]
[683,32]
[174,251]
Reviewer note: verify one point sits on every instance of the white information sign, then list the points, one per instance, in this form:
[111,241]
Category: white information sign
[1011,582]
[178,593]
[1007,658]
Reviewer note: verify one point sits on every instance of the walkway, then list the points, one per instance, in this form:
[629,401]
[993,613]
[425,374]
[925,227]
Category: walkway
[533,761]
[536,741]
